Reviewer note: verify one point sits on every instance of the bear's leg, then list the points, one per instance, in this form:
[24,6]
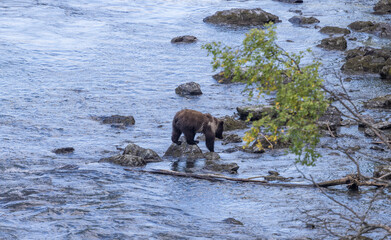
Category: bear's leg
[210,141]
[176,133]
[190,137]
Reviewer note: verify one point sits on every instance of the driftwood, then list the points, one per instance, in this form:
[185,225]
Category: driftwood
[350,180]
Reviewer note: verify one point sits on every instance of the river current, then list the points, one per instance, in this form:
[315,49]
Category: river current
[62,63]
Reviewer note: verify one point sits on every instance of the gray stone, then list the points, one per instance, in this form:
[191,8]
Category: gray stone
[334,43]
[212,156]
[257,111]
[242,17]
[379,102]
[385,72]
[381,29]
[300,20]
[184,39]
[231,138]
[146,154]
[65,150]
[125,160]
[383,7]
[190,88]
[184,150]
[116,120]
[221,167]
[331,119]
[230,123]
[334,30]
[366,59]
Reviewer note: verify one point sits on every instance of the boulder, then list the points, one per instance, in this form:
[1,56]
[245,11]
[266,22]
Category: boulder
[230,123]
[334,30]
[146,154]
[379,102]
[385,72]
[116,121]
[379,29]
[366,59]
[221,167]
[383,7]
[331,119]
[232,221]
[212,156]
[231,138]
[220,78]
[125,160]
[184,39]
[300,20]
[65,150]
[190,88]
[134,156]
[242,17]
[184,150]
[257,111]
[334,43]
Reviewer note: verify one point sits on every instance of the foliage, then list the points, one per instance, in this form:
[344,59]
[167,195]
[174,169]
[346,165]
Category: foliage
[268,69]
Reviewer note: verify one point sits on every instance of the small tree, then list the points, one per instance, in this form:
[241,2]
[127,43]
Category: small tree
[268,69]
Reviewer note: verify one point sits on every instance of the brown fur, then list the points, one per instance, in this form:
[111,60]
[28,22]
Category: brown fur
[189,122]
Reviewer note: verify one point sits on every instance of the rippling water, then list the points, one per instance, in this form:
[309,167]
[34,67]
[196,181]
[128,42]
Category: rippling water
[64,62]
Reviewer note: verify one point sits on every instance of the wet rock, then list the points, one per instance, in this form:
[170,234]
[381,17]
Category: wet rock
[233,221]
[257,111]
[242,17]
[230,123]
[382,170]
[184,39]
[300,20]
[383,7]
[184,150]
[379,102]
[331,119]
[116,120]
[221,167]
[385,72]
[220,78]
[367,119]
[366,59]
[381,29]
[334,30]
[190,88]
[134,156]
[231,150]
[146,154]
[231,138]
[212,156]
[65,150]
[125,160]
[335,43]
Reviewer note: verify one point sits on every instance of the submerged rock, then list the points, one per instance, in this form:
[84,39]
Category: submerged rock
[379,102]
[300,20]
[184,39]
[383,7]
[366,59]
[65,150]
[379,29]
[290,1]
[233,221]
[257,111]
[190,88]
[334,43]
[242,17]
[220,78]
[221,167]
[230,123]
[334,30]
[116,120]
[134,156]
[184,150]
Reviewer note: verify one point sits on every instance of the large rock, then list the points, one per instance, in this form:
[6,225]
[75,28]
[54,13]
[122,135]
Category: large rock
[220,78]
[147,154]
[385,72]
[331,119]
[383,7]
[257,111]
[184,150]
[300,20]
[190,88]
[379,29]
[231,138]
[221,167]
[379,102]
[334,30]
[335,43]
[242,17]
[65,150]
[116,120]
[230,123]
[134,156]
[366,59]
[184,39]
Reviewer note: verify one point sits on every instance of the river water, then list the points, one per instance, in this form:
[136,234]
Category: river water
[64,62]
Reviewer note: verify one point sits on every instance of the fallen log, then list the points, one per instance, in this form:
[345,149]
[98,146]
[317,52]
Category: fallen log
[218,177]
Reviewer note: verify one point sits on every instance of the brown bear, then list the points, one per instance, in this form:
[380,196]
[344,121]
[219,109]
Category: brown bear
[189,122]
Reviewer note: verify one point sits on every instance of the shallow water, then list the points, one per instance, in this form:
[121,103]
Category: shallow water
[64,62]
